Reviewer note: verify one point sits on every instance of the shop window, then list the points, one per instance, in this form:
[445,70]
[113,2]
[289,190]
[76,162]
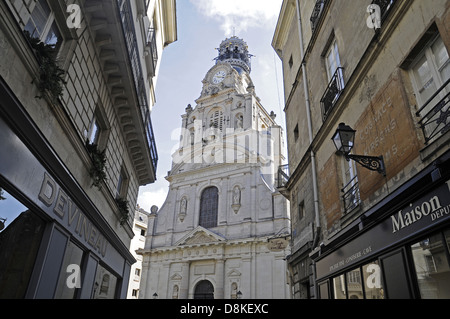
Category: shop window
[339,287]
[21,233]
[354,284]
[324,291]
[447,238]
[395,275]
[373,284]
[432,267]
[70,277]
[105,284]
[361,283]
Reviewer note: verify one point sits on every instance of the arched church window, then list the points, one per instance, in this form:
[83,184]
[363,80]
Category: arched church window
[209,206]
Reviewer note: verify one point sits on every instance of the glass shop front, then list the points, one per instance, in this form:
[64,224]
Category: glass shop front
[405,256]
[54,243]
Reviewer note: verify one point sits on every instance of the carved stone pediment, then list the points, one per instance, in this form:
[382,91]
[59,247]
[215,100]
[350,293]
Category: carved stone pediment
[198,236]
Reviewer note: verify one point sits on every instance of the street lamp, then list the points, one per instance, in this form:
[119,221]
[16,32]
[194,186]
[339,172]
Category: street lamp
[344,140]
[239,295]
[155,296]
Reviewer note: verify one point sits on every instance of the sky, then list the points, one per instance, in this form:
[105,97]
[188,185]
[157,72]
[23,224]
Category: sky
[202,26]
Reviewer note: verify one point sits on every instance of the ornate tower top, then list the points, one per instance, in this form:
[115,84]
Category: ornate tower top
[235,52]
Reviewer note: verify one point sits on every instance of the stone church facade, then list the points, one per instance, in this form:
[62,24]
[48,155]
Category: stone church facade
[223,231]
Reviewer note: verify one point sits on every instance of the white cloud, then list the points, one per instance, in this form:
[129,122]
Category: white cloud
[240,14]
[147,198]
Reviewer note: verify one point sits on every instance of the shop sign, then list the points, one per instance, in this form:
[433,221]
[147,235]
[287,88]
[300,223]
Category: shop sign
[414,219]
[277,244]
[432,209]
[63,207]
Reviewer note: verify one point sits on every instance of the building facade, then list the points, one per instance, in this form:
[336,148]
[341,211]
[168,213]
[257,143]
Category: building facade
[138,242]
[77,142]
[222,231]
[382,69]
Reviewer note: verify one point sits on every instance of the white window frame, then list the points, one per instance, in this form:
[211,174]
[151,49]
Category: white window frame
[436,77]
[50,20]
[333,51]
[434,69]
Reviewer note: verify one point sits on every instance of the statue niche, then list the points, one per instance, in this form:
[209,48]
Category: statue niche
[236,199]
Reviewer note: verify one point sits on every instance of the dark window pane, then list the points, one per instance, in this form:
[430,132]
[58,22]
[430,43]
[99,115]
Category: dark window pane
[354,284]
[373,281]
[20,237]
[70,277]
[105,284]
[339,287]
[204,290]
[432,268]
[38,19]
[209,205]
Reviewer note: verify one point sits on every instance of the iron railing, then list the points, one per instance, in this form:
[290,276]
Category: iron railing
[283,176]
[435,114]
[385,6]
[129,32]
[333,92]
[151,43]
[351,197]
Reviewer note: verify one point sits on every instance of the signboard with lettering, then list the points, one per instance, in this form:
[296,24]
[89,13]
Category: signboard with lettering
[51,195]
[27,174]
[419,215]
[386,129]
[330,193]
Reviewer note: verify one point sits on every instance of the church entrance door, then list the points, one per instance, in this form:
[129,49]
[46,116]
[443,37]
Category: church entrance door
[204,290]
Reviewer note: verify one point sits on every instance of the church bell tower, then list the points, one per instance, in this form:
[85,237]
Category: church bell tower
[214,235]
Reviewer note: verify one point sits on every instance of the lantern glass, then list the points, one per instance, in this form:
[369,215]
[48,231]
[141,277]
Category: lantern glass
[344,138]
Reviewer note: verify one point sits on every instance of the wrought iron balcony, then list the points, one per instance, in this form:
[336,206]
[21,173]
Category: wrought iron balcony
[385,6]
[333,92]
[317,13]
[351,195]
[283,176]
[151,49]
[435,114]
[129,31]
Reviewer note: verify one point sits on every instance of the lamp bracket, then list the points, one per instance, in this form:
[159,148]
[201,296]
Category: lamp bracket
[372,163]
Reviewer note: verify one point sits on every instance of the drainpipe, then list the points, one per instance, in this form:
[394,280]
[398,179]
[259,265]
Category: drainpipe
[308,114]
[310,132]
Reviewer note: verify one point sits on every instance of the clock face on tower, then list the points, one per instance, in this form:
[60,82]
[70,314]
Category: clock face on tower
[219,77]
